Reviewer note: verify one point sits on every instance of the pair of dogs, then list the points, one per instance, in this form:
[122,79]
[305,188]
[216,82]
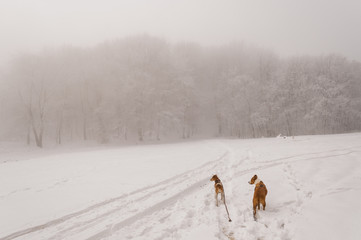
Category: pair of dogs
[259,196]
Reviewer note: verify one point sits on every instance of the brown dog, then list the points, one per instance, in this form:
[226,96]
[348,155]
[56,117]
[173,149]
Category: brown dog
[259,196]
[218,187]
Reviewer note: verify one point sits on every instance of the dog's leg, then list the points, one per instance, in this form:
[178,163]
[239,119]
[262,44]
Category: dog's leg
[254,207]
[263,201]
[216,196]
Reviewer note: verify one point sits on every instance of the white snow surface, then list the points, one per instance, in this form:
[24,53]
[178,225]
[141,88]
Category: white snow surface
[163,191]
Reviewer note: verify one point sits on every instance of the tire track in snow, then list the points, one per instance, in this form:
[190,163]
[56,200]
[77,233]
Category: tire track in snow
[279,161]
[312,153]
[229,168]
[186,189]
[170,201]
[149,210]
[144,192]
[167,202]
[278,230]
[164,185]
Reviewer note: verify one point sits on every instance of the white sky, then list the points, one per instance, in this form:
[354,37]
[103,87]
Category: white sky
[287,27]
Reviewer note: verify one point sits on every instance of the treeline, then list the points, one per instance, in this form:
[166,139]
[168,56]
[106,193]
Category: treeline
[144,88]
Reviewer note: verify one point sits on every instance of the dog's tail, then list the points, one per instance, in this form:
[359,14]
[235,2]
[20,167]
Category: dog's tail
[224,201]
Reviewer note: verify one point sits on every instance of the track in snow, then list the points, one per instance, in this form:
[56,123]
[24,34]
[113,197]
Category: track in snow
[125,208]
[103,219]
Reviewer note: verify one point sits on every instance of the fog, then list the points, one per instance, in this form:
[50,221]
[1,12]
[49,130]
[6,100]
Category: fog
[284,26]
[117,71]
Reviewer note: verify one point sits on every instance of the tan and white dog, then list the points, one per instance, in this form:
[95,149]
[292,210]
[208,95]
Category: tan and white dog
[218,187]
[259,196]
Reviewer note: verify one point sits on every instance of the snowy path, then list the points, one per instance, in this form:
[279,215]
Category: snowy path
[302,180]
[127,208]
[267,227]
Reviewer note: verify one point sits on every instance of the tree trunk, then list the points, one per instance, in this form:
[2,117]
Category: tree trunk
[140,134]
[85,137]
[158,129]
[28,139]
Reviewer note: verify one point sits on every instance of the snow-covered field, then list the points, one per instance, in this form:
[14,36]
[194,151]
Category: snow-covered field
[163,191]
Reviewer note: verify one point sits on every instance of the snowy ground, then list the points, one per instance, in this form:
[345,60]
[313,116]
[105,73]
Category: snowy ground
[164,192]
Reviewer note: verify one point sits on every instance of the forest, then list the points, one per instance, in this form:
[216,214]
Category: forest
[145,88]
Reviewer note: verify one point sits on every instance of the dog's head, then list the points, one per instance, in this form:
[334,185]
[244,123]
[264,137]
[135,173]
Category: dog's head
[253,179]
[214,178]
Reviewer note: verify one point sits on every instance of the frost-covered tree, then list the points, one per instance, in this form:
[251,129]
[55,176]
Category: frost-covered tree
[144,88]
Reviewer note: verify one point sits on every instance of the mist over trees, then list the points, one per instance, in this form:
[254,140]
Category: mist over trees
[144,88]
